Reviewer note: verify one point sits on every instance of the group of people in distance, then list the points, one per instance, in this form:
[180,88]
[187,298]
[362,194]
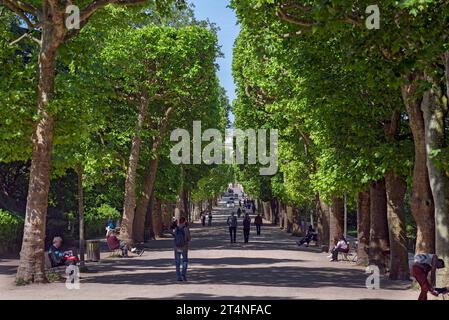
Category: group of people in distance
[203,219]
[232,223]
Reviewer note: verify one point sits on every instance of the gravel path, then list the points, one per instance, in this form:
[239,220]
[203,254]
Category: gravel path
[269,267]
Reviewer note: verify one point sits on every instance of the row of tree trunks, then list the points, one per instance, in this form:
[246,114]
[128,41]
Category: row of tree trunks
[421,199]
[435,110]
[379,242]
[129,207]
[363,227]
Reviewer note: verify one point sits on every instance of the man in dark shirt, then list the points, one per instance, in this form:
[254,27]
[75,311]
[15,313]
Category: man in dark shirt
[58,257]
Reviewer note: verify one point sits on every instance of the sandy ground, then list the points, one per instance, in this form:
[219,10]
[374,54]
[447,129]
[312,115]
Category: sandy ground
[271,266]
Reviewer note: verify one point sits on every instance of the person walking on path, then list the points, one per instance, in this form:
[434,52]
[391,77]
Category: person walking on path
[181,247]
[232,224]
[424,264]
[246,227]
[258,222]
[209,222]
[239,212]
[254,208]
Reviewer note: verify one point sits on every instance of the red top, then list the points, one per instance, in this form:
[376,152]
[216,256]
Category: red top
[113,242]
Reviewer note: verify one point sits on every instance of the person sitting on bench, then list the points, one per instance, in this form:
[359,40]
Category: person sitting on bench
[311,235]
[340,246]
[424,264]
[58,257]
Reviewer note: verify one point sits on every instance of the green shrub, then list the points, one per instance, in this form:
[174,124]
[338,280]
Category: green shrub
[11,228]
[96,219]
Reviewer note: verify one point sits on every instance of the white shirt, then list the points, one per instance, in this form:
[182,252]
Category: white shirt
[341,244]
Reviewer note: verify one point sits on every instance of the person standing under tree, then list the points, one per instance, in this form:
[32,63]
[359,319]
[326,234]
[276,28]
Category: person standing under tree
[209,222]
[258,222]
[246,227]
[181,248]
[203,218]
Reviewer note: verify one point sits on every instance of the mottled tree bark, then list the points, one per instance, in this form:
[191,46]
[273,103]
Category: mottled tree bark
[335,220]
[129,206]
[32,266]
[323,223]
[156,215]
[435,110]
[379,241]
[148,185]
[395,188]
[266,210]
[421,199]
[363,227]
[81,215]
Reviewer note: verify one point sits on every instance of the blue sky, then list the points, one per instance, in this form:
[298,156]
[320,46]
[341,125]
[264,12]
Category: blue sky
[218,12]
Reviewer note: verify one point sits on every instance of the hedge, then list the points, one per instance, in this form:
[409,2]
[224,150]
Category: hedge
[11,230]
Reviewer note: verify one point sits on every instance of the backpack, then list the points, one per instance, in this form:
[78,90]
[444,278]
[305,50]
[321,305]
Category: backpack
[423,258]
[232,221]
[180,237]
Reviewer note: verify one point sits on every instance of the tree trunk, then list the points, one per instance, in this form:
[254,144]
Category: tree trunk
[395,188]
[147,188]
[196,210]
[379,242]
[289,218]
[32,266]
[266,210]
[323,223]
[156,215]
[363,227]
[81,215]
[273,207]
[335,220]
[435,118]
[129,207]
[258,205]
[166,214]
[144,201]
[421,199]
[148,233]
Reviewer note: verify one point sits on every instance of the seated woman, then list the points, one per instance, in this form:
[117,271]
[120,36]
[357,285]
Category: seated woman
[340,246]
[58,257]
[114,243]
[311,235]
